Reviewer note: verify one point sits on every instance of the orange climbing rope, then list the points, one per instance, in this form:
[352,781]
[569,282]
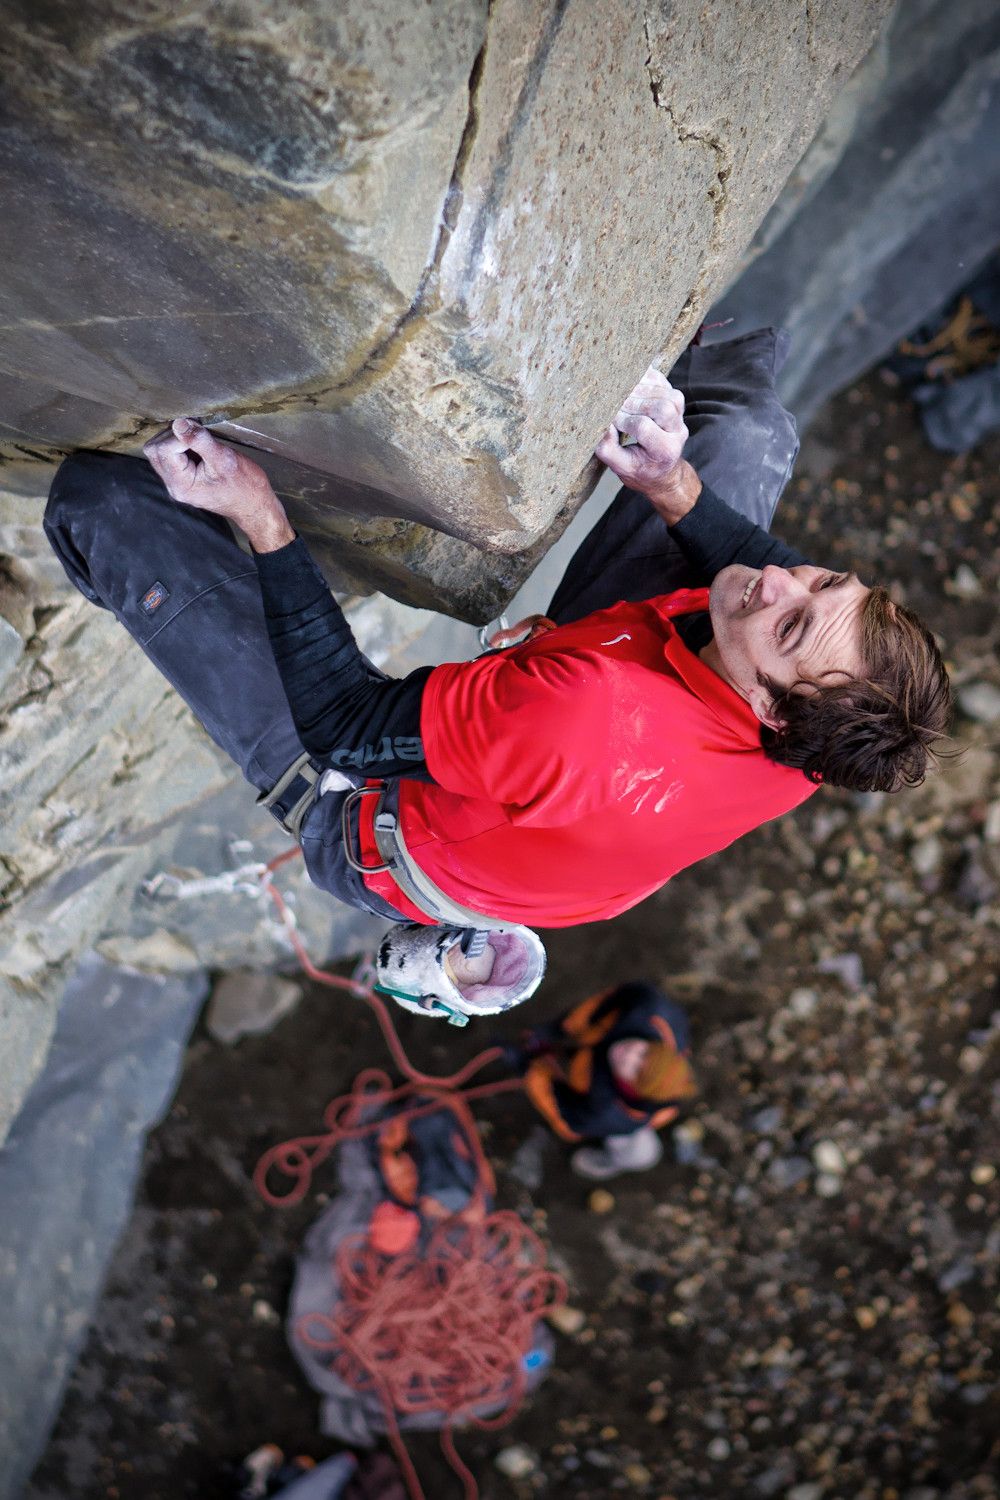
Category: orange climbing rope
[447,1326]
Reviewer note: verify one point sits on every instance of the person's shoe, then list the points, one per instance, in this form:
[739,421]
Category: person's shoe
[620,1153]
[457,972]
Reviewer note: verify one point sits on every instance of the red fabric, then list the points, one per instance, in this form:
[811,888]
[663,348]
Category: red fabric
[578,772]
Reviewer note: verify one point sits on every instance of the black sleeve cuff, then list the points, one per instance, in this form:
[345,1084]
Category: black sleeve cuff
[713,534]
[711,527]
[290,575]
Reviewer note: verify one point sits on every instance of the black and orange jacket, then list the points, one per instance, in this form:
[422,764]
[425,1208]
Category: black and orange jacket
[571,1083]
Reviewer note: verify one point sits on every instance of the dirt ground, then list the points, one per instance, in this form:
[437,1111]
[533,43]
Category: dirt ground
[753,1326]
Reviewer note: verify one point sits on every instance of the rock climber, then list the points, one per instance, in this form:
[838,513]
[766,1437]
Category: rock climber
[611,1072]
[694,677]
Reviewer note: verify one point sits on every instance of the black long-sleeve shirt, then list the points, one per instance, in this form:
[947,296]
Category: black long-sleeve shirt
[351,717]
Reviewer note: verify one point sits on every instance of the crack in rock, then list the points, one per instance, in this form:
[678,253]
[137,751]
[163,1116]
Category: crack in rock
[425,298]
[718,192]
[810,32]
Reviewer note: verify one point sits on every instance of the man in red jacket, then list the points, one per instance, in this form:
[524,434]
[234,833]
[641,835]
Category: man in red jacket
[565,779]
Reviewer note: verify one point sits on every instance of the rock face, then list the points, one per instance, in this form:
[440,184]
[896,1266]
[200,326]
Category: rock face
[892,208]
[66,1180]
[417,252]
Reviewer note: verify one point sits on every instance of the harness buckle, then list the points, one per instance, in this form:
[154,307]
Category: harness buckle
[352,855]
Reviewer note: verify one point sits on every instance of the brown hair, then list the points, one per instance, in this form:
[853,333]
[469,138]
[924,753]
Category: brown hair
[870,734]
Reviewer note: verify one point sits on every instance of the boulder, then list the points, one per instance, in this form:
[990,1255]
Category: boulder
[417,254]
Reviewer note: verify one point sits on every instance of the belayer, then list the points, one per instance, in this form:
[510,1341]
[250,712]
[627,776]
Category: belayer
[610,1073]
[694,678]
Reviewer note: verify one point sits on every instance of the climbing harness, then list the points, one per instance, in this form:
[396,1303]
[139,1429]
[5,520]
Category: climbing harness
[397,860]
[293,794]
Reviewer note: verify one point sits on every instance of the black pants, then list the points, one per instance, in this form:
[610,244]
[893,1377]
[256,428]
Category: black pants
[188,594]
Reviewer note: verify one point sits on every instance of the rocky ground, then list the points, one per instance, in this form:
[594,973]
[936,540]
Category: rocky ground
[803,1300]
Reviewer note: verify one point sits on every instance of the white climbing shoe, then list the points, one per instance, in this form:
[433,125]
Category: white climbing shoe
[446,971]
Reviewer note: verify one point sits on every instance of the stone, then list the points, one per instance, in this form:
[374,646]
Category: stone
[719,1450]
[828,1185]
[567,1320]
[243,1003]
[846,966]
[957,1274]
[687,1139]
[828,1157]
[263,1312]
[926,856]
[527,1165]
[600,1201]
[516,1461]
[808,1491]
[980,701]
[802,1002]
[788,1171]
[964,583]
[991,824]
[472,173]
[67,1175]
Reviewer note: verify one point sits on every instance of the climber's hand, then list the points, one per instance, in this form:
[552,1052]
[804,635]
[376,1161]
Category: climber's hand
[197,469]
[653,415]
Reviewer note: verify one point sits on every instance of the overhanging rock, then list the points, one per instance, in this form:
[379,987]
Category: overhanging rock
[416,252]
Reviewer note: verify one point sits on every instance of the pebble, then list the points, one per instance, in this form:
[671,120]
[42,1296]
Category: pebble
[244,1003]
[263,1312]
[687,1139]
[718,1450]
[601,1201]
[598,1459]
[516,1462]
[957,1274]
[865,1317]
[828,1185]
[828,1157]
[980,701]
[991,824]
[847,967]
[964,584]
[983,1172]
[787,1171]
[809,1491]
[568,1320]
[926,856]
[638,1476]
[767,1121]
[802,1002]
[527,1164]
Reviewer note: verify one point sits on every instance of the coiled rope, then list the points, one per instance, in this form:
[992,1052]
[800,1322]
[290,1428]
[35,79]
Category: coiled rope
[445,1327]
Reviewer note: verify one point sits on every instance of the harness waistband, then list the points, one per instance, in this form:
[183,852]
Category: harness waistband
[414,882]
[293,794]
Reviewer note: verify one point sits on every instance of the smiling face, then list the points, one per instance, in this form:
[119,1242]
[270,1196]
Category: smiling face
[784,625]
